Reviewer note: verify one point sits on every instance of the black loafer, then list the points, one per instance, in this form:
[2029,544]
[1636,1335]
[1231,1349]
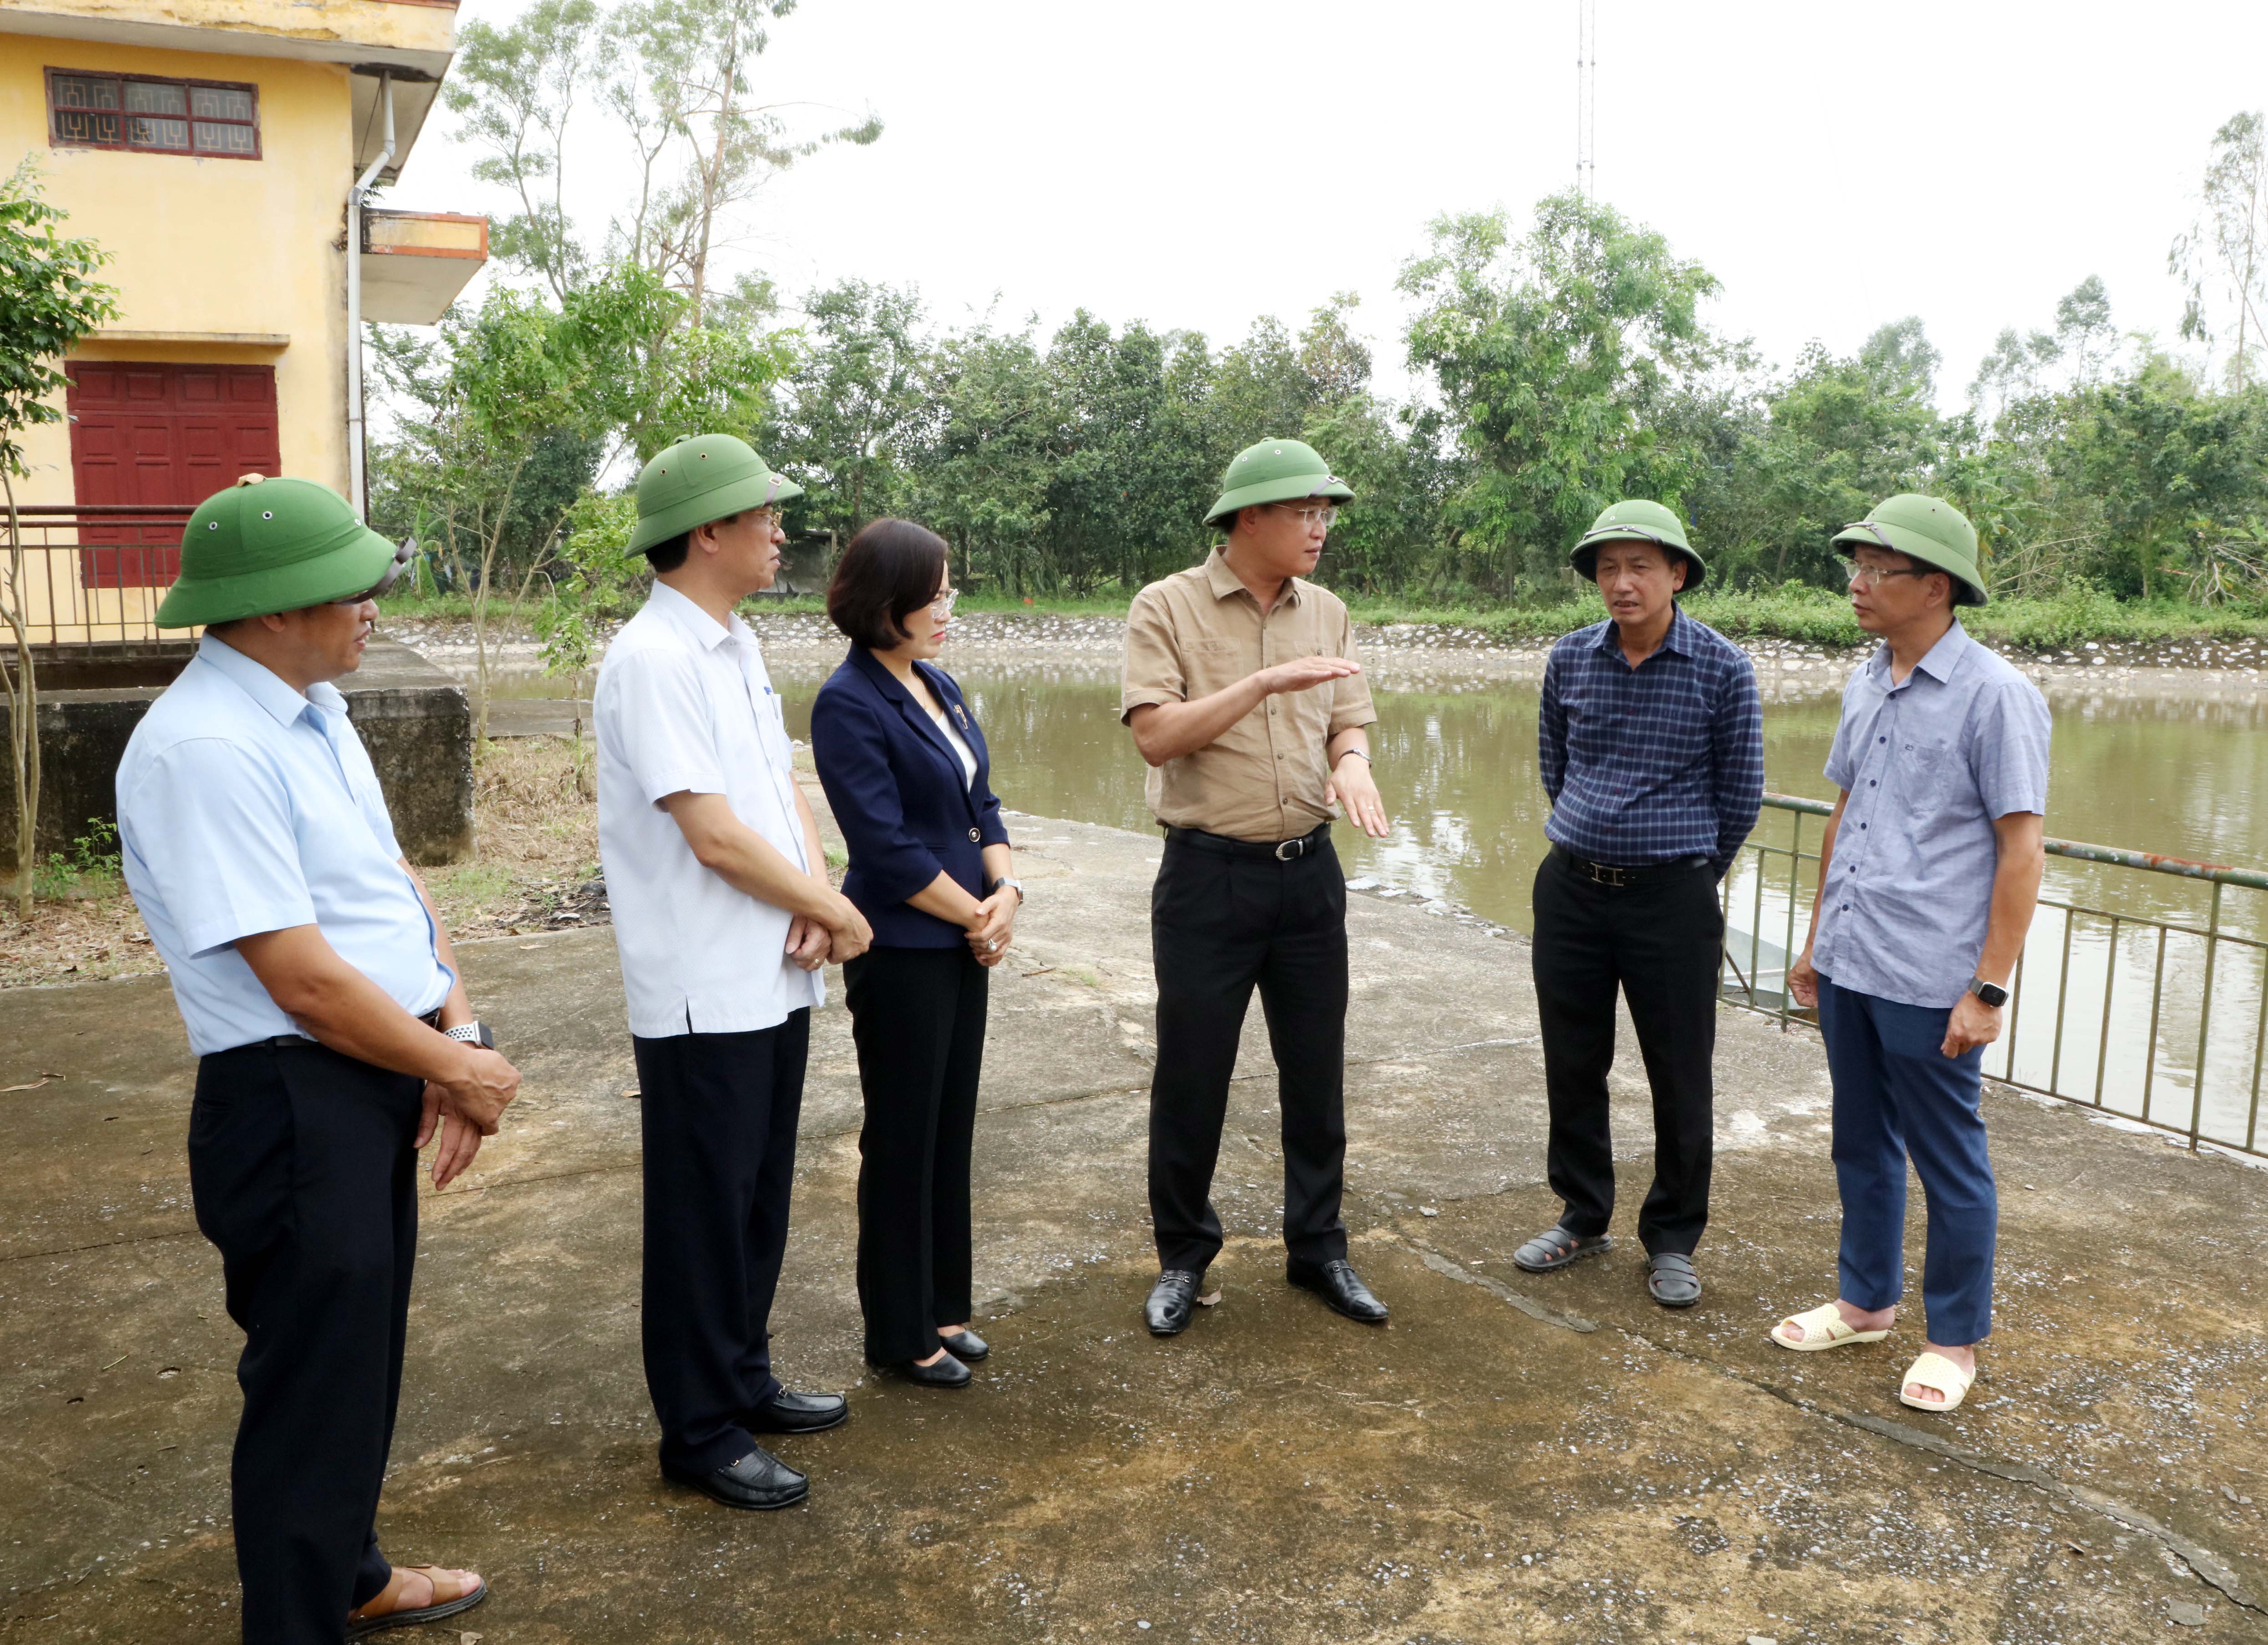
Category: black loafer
[1338,1284]
[1172,1302]
[966,1346]
[788,1413]
[759,1480]
[943,1372]
[1671,1282]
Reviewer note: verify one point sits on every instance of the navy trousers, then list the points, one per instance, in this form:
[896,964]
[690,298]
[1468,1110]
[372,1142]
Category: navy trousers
[303,1176]
[1898,1096]
[1657,941]
[718,1115]
[918,1018]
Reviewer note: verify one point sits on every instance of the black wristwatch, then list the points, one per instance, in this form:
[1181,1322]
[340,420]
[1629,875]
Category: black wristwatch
[472,1034]
[1991,993]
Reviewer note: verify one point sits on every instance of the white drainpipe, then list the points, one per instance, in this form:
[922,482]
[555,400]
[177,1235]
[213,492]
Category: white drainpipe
[355,479]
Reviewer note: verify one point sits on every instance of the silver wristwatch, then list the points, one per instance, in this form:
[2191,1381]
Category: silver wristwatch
[1016,886]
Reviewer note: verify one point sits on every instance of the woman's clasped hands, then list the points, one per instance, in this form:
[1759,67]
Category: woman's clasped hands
[994,925]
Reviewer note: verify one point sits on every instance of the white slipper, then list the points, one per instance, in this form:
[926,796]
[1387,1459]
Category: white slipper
[1824,1327]
[1937,1372]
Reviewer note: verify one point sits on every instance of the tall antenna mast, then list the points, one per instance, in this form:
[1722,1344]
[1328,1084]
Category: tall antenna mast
[1586,97]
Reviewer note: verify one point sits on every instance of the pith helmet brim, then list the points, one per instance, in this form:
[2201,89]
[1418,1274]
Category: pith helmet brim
[337,558]
[1967,589]
[1585,558]
[721,503]
[1293,488]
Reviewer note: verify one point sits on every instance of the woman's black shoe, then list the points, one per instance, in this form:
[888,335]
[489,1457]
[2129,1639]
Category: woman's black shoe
[942,1372]
[966,1346]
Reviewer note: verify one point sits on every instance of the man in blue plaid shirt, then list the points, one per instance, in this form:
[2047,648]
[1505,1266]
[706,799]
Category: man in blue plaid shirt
[1651,744]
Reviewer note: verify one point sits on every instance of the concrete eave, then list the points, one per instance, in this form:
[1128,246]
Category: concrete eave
[414,263]
[413,101]
[415,36]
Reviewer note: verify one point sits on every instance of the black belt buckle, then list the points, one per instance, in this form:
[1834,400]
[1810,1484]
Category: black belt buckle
[1291,850]
[1606,874]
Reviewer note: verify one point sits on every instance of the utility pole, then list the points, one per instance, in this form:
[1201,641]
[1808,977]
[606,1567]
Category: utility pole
[1586,97]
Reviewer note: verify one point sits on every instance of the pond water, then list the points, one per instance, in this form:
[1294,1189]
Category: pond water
[2175,772]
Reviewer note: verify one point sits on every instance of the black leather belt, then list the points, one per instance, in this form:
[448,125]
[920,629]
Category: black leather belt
[1616,876]
[292,1042]
[1221,845]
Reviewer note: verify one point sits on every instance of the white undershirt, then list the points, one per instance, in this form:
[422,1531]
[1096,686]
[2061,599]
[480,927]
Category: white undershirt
[967,758]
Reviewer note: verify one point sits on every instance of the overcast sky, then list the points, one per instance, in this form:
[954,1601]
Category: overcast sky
[1199,165]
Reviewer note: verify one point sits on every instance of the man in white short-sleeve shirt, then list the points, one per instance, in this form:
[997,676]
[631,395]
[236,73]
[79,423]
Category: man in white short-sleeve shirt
[331,1031]
[723,916]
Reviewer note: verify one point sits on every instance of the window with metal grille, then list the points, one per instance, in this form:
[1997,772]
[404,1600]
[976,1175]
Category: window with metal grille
[137,110]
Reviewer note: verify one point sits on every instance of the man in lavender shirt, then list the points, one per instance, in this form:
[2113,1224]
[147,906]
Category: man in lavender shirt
[1927,878]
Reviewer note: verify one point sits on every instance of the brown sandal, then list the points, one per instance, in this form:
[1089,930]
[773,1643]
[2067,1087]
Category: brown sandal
[361,1622]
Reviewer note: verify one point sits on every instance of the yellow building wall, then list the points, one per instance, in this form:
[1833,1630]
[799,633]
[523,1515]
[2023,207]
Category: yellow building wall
[245,248]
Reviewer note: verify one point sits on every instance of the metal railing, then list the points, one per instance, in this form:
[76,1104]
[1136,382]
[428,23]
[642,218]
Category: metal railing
[94,573]
[2134,1048]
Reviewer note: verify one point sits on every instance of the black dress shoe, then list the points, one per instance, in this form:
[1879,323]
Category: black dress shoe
[966,1346]
[943,1372]
[1338,1284]
[788,1413]
[758,1480]
[1173,1301]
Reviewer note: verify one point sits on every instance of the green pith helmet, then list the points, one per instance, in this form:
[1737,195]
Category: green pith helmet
[267,546]
[699,479]
[1276,471]
[1929,531]
[1634,519]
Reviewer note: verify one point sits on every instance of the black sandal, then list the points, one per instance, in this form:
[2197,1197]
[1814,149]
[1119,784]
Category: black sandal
[1557,1248]
[1671,1282]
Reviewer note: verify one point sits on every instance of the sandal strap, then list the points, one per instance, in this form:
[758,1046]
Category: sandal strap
[1935,1370]
[1669,1261]
[1827,1319]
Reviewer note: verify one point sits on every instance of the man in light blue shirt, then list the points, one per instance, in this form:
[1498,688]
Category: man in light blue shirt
[1928,875]
[333,1033]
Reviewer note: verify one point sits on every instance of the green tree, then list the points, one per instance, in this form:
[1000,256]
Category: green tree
[855,399]
[1553,354]
[2162,461]
[49,298]
[980,478]
[517,90]
[2223,258]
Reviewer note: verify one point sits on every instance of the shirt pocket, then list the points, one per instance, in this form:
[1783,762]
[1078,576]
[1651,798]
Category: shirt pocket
[1928,768]
[1211,662]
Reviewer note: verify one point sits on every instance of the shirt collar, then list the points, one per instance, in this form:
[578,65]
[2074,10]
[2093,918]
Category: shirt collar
[264,685]
[1677,639]
[1941,662]
[703,630]
[1224,581]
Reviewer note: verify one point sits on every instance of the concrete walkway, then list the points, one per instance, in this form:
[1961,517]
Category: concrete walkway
[1513,1458]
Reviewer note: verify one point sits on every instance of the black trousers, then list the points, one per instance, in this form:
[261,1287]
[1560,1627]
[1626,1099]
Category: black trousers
[1220,925]
[1659,940]
[718,1115]
[918,1018]
[303,1175]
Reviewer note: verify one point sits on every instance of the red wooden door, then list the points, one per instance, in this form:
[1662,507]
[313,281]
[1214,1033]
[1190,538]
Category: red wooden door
[160,433]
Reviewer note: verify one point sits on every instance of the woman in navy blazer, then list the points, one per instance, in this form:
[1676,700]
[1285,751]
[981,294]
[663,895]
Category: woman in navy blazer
[906,774]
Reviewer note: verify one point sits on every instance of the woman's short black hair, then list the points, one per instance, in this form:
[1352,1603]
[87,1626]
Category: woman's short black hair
[891,570]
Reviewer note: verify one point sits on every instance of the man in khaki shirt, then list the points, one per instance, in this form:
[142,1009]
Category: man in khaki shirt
[1243,694]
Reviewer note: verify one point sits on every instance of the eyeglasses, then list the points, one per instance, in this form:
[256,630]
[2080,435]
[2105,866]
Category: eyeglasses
[942,605]
[1874,575]
[1310,515]
[377,590]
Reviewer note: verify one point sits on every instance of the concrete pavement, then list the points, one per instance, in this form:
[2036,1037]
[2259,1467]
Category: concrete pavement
[1513,1457]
